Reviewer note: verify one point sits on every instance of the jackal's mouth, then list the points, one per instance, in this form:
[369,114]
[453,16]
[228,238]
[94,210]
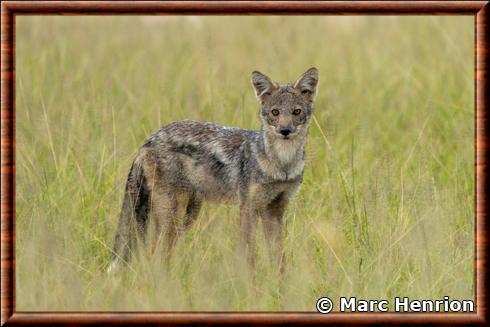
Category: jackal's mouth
[285,137]
[289,136]
[282,135]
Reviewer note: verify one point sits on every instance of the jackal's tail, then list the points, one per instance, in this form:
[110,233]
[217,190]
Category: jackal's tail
[134,217]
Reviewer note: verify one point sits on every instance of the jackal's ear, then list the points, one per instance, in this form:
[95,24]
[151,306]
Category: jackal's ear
[263,85]
[307,83]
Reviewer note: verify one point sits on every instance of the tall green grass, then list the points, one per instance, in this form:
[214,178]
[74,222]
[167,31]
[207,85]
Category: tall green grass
[386,206]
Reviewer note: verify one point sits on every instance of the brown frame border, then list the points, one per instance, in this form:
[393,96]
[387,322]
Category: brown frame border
[10,9]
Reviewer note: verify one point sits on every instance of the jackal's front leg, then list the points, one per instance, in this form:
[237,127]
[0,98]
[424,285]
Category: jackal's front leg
[273,230]
[248,228]
[272,220]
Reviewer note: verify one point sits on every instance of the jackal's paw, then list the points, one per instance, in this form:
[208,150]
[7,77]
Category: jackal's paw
[114,266]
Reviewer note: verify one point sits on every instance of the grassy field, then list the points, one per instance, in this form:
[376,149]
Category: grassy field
[386,207]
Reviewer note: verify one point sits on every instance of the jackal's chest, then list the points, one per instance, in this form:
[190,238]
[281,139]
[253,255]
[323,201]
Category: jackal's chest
[283,160]
[262,194]
[274,171]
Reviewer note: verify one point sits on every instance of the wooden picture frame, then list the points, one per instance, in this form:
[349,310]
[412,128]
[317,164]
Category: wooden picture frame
[11,9]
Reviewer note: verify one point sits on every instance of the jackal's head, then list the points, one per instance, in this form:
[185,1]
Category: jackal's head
[286,109]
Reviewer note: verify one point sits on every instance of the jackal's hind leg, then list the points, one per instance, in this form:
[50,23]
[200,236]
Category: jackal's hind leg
[191,212]
[165,210]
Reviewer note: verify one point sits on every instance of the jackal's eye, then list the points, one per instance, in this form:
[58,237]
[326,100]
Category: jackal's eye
[275,112]
[296,112]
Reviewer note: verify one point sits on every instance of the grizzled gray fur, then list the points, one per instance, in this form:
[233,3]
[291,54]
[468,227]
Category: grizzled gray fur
[188,162]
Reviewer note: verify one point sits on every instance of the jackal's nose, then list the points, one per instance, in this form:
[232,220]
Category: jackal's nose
[285,131]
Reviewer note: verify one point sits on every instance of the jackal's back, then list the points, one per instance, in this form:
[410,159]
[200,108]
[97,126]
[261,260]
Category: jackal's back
[200,157]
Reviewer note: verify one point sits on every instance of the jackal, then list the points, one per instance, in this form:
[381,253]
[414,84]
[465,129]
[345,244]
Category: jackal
[187,162]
